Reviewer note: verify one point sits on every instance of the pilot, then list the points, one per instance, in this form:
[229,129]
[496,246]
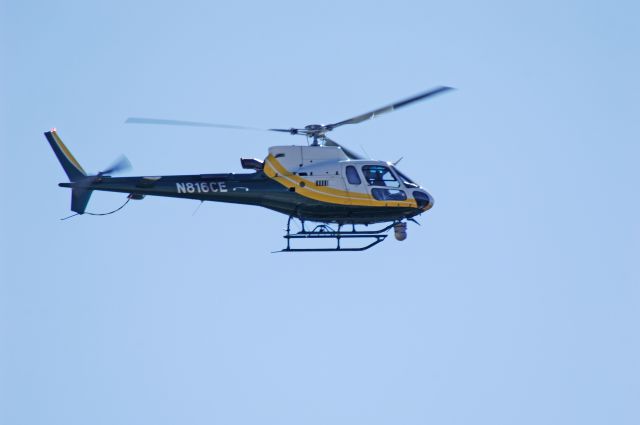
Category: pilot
[368,175]
[377,178]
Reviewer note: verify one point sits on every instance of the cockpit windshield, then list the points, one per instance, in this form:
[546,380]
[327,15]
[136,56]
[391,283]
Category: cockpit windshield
[406,180]
[379,175]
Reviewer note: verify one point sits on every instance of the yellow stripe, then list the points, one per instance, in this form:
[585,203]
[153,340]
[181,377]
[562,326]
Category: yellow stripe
[310,192]
[277,172]
[66,151]
[279,168]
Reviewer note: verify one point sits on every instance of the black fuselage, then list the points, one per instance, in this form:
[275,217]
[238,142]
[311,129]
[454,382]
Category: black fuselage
[248,189]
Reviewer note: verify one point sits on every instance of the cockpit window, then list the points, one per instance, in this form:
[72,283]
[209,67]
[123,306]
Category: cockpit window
[406,180]
[379,175]
[352,175]
[388,194]
[422,199]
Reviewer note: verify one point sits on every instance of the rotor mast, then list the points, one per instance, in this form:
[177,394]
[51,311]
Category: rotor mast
[315,131]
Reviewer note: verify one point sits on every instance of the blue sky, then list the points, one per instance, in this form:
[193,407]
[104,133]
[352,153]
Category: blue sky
[516,301]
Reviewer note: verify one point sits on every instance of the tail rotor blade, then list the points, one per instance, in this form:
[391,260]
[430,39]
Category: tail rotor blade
[120,164]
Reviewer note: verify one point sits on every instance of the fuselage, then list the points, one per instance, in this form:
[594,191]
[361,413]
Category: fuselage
[315,183]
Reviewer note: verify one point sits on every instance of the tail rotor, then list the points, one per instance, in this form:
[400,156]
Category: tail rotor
[80,182]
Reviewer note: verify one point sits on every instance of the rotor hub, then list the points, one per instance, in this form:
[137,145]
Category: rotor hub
[316,131]
[314,128]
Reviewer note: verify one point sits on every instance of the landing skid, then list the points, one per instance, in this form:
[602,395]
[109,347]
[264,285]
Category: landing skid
[324,231]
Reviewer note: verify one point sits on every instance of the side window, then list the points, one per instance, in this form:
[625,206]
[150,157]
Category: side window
[388,194]
[379,175]
[352,175]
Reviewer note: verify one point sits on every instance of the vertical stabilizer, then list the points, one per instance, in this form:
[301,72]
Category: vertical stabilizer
[80,199]
[70,165]
[79,195]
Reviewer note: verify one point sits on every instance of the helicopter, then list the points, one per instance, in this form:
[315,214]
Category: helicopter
[321,182]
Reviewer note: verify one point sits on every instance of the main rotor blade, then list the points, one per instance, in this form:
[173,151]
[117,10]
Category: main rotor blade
[138,120]
[349,153]
[288,130]
[390,108]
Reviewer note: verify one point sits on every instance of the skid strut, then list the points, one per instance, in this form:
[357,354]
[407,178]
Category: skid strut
[324,231]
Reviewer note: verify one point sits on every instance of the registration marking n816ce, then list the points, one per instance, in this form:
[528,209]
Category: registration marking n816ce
[201,187]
